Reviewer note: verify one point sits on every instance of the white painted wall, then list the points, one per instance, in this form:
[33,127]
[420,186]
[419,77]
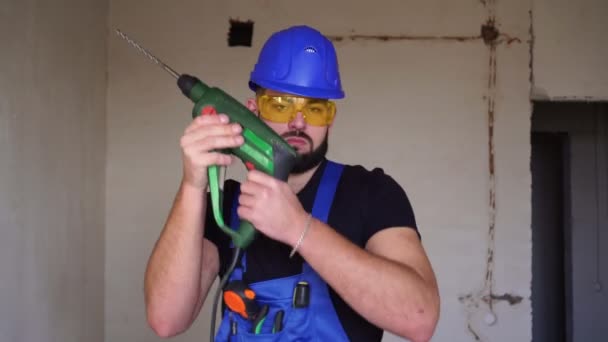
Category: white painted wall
[570,49]
[52,154]
[416,108]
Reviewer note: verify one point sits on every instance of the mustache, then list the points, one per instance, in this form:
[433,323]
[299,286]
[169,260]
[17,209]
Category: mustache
[298,134]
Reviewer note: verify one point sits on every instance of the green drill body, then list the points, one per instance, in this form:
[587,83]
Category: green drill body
[263,149]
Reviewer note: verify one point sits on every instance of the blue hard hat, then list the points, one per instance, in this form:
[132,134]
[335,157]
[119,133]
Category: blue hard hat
[300,61]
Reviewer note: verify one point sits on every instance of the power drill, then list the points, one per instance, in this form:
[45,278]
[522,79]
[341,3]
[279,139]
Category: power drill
[263,149]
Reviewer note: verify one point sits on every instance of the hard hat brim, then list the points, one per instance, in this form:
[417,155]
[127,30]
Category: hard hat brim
[297,90]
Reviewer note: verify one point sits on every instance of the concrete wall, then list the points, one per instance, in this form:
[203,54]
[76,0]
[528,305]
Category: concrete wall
[52,155]
[418,105]
[570,49]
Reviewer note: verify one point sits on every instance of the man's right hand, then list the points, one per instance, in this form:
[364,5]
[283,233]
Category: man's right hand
[205,134]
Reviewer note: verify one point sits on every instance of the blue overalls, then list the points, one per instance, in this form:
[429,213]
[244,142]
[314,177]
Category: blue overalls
[318,321]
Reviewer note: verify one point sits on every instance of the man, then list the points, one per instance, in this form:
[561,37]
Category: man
[348,233]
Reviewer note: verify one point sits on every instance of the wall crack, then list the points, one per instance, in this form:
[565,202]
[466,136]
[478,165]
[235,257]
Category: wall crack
[388,38]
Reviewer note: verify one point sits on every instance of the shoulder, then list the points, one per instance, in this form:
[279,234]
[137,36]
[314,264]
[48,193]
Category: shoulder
[378,199]
[370,180]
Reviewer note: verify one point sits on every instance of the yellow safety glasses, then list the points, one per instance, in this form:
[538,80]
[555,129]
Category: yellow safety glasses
[283,109]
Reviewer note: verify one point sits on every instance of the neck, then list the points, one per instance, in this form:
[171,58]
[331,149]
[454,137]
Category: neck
[298,182]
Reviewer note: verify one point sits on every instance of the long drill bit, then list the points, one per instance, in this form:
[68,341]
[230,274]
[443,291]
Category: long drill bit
[168,69]
[148,54]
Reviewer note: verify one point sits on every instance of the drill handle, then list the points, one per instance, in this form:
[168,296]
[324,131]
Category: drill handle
[246,233]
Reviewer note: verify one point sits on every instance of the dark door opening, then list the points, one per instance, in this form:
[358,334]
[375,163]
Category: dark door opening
[569,221]
[548,236]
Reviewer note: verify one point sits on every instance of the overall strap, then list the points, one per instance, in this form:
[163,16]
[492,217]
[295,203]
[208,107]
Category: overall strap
[327,190]
[325,196]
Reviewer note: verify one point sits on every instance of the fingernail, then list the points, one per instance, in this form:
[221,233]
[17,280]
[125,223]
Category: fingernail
[236,128]
[240,139]
[224,118]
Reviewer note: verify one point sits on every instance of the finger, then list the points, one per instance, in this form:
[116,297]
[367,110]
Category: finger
[213,158]
[214,143]
[246,200]
[246,213]
[203,132]
[252,188]
[204,120]
[261,178]
[220,159]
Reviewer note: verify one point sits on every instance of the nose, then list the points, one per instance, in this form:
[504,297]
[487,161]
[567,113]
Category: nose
[298,123]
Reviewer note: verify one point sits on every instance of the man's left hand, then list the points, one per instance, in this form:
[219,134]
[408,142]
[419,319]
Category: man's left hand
[272,207]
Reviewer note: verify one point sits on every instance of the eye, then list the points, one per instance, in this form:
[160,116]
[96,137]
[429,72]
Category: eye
[316,109]
[278,107]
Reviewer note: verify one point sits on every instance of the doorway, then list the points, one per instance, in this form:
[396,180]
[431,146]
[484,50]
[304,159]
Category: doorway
[569,221]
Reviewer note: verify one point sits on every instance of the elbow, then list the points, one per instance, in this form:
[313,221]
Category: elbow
[422,327]
[420,331]
[164,320]
[163,326]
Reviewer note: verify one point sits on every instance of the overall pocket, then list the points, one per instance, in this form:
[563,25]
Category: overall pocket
[296,325]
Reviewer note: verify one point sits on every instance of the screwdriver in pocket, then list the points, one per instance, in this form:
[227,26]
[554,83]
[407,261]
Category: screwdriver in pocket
[278,322]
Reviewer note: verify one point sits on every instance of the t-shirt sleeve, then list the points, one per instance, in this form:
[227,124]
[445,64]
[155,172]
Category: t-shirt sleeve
[387,205]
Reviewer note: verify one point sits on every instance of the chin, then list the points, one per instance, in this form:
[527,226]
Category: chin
[302,151]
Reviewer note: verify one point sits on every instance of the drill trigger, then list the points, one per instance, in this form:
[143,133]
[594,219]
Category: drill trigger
[208,110]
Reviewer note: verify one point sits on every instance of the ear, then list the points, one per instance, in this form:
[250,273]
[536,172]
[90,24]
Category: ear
[252,105]
[329,127]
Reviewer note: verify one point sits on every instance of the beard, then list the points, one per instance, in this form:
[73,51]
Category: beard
[307,161]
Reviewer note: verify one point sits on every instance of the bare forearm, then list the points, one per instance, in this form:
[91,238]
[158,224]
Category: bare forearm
[173,275]
[391,295]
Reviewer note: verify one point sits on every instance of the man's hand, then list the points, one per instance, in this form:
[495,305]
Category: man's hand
[205,134]
[272,207]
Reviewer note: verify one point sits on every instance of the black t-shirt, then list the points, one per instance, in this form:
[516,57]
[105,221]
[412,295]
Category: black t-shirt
[365,203]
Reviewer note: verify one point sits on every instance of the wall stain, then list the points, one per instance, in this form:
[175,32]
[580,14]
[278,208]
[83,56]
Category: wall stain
[489,32]
[507,297]
[531,51]
[388,38]
[473,332]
